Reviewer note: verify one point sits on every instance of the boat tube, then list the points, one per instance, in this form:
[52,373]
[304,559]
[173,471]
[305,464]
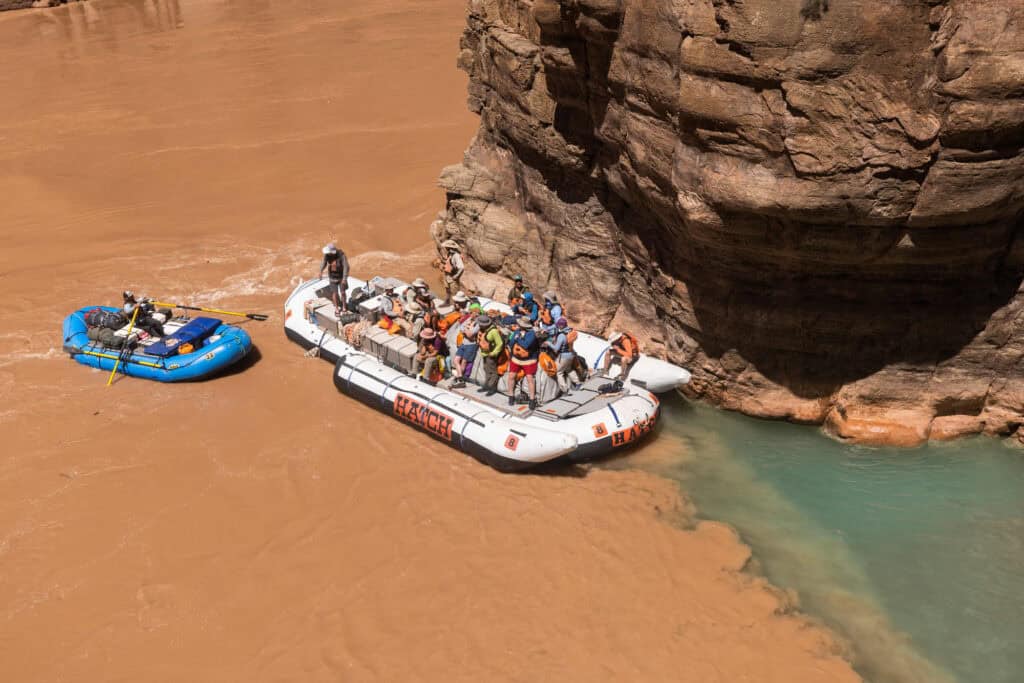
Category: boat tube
[190,349]
[587,422]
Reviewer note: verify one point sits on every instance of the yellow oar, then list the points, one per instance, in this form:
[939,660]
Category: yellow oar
[251,316]
[106,355]
[131,326]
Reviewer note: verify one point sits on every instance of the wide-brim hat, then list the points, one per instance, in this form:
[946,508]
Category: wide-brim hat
[460,297]
[451,244]
[484,321]
[524,322]
[550,296]
[427,333]
[419,283]
[413,307]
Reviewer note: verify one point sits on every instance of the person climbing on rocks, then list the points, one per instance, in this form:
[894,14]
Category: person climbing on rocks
[335,263]
[452,268]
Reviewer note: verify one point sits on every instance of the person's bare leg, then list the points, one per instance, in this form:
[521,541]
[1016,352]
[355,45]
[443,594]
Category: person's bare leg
[531,382]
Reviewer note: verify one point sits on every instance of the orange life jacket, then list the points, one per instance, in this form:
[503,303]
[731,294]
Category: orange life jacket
[503,361]
[548,365]
[545,316]
[627,346]
[447,321]
[520,351]
[570,338]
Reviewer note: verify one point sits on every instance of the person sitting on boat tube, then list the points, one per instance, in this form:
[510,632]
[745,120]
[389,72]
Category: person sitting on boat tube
[527,308]
[524,358]
[411,321]
[625,350]
[452,267]
[515,295]
[560,347]
[428,360]
[336,264]
[144,320]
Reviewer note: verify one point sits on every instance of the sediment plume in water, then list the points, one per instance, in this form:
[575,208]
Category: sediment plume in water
[258,526]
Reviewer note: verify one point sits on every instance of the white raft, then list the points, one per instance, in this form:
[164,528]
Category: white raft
[578,425]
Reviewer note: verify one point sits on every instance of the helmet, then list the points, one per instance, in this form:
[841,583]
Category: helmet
[330,249]
[528,296]
[561,322]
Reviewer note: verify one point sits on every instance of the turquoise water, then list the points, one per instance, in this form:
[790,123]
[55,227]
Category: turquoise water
[915,557]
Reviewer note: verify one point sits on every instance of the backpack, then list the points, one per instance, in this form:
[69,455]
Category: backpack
[111,320]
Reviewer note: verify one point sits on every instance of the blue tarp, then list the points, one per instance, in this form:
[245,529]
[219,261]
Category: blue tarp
[195,331]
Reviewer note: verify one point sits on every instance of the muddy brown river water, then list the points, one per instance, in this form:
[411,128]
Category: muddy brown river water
[260,526]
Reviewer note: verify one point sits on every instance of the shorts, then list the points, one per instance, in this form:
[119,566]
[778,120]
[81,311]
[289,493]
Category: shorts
[528,366]
[450,281]
[467,351]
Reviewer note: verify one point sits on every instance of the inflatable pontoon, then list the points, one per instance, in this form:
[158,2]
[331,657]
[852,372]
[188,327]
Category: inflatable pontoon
[376,367]
[191,348]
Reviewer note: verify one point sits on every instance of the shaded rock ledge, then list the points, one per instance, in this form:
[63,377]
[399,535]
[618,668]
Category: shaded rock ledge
[815,206]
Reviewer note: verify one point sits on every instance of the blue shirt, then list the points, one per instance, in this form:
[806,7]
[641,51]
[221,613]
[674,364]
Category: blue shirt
[528,308]
[527,339]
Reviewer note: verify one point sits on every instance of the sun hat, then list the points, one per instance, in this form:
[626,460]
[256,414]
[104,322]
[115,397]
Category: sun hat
[615,336]
[419,283]
[451,244]
[427,333]
[550,296]
[484,321]
[330,248]
[414,308]
[460,296]
[524,322]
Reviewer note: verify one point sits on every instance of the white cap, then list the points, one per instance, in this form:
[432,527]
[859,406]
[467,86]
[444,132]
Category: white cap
[330,248]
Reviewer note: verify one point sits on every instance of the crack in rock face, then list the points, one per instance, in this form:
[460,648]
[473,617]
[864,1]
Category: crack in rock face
[815,206]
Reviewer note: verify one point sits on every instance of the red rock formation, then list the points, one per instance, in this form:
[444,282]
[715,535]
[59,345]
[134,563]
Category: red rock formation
[816,206]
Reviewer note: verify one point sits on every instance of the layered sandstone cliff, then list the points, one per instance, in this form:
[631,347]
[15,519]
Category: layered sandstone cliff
[816,206]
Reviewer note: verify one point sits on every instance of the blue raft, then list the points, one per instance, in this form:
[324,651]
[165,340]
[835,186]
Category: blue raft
[216,346]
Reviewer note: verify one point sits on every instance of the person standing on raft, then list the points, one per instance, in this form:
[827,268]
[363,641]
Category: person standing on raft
[336,264]
[524,357]
[451,268]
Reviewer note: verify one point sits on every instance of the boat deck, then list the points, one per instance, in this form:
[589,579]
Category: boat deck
[585,399]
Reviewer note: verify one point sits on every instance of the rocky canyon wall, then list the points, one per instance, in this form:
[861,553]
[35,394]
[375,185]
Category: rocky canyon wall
[814,205]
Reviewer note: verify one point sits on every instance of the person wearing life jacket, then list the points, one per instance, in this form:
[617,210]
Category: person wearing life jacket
[452,267]
[428,360]
[515,295]
[465,354]
[391,304]
[336,264]
[560,347]
[144,320]
[491,345]
[411,322]
[523,358]
[625,350]
[552,310]
[528,308]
